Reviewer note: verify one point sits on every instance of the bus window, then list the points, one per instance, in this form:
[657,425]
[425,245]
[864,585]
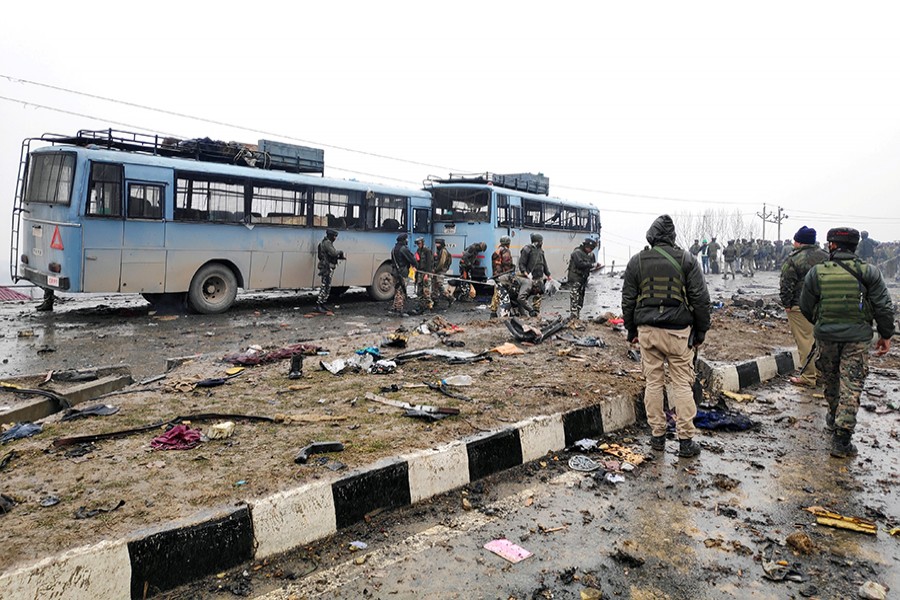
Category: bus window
[421,220]
[105,195]
[145,201]
[507,214]
[202,198]
[461,205]
[337,209]
[385,212]
[50,178]
[278,205]
[534,213]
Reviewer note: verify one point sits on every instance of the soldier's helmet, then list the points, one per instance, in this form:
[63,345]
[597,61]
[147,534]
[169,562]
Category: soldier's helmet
[402,237]
[590,242]
[420,239]
[536,237]
[440,242]
[505,241]
[864,234]
[331,233]
[843,235]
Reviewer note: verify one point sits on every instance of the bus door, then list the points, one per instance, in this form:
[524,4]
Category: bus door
[103,227]
[148,192]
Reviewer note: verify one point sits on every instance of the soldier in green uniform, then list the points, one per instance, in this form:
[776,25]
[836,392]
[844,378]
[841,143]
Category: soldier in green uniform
[806,254]
[842,296]
[424,265]
[712,251]
[665,305]
[442,260]
[328,259]
[401,261]
[501,264]
[581,264]
[533,263]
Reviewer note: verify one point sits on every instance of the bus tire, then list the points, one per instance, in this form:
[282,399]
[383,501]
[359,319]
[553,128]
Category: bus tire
[213,289]
[382,287]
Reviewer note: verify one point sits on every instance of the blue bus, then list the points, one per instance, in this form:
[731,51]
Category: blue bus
[194,220]
[483,207]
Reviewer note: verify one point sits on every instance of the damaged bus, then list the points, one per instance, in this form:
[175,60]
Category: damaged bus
[194,220]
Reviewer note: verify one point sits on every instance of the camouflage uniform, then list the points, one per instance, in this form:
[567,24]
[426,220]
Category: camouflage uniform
[842,296]
[401,261]
[328,258]
[424,265]
[793,270]
[501,264]
[532,261]
[581,263]
[442,260]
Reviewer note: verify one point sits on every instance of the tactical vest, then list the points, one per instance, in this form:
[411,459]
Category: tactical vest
[662,282]
[843,298]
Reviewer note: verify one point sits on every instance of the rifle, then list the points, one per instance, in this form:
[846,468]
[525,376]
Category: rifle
[812,352]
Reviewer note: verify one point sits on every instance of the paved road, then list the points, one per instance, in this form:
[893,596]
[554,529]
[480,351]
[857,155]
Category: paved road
[702,527]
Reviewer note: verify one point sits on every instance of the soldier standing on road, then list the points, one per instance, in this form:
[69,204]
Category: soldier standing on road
[665,306]
[424,264]
[842,296]
[581,264]
[806,254]
[730,255]
[866,250]
[442,261]
[532,261]
[328,259]
[501,264]
[704,256]
[467,263]
[402,259]
[712,250]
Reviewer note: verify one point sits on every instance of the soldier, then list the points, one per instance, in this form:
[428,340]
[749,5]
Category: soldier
[866,250]
[47,303]
[798,263]
[424,264]
[581,264]
[842,296]
[442,260]
[730,255]
[328,259]
[704,256]
[665,305]
[501,264]
[531,261]
[402,259]
[695,248]
[528,291]
[467,262]
[713,251]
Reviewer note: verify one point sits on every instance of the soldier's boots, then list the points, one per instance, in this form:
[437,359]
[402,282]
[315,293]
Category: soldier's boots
[829,421]
[688,448]
[321,308]
[841,446]
[658,442]
[46,305]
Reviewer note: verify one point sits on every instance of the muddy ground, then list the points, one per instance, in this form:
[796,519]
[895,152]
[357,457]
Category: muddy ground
[160,486]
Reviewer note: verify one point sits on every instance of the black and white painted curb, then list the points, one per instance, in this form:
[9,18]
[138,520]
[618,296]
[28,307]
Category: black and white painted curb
[213,541]
[177,553]
[731,378]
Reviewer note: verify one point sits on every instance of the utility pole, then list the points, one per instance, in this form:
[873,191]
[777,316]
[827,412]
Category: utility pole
[778,219]
[765,216]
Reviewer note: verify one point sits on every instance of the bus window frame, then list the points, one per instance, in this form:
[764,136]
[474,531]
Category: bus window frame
[509,215]
[91,204]
[146,185]
[377,204]
[300,202]
[208,196]
[70,157]
[450,214]
[325,217]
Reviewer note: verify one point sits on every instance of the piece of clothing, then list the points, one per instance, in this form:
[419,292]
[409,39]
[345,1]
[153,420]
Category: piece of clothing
[642,301]
[794,270]
[660,347]
[802,331]
[179,437]
[842,307]
[576,298]
[844,367]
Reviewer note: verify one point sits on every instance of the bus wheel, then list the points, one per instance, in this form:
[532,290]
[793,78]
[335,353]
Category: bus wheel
[213,289]
[382,287]
[166,303]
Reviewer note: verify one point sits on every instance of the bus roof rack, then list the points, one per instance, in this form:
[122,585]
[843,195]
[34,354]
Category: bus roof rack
[266,155]
[535,183]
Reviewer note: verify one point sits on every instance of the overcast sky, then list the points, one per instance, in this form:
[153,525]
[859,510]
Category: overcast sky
[640,108]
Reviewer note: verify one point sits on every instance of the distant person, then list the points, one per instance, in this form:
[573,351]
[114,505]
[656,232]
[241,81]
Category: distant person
[501,264]
[402,260]
[866,249]
[531,261]
[695,248]
[806,254]
[424,266]
[665,306]
[704,256]
[842,296]
[442,262]
[328,259]
[47,303]
[581,264]
[730,256]
[712,251]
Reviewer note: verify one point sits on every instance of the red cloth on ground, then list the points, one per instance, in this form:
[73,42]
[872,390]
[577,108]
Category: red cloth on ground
[180,437]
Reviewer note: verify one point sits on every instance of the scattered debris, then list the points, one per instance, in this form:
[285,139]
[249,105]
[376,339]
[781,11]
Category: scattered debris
[800,543]
[779,570]
[221,431]
[508,550]
[626,553]
[871,590]
[738,397]
[48,501]
[179,437]
[6,504]
[98,410]
[20,431]
[833,519]
[84,513]
[526,333]
[507,349]
[623,453]
[586,444]
[441,410]
[255,356]
[7,459]
[724,420]
[724,482]
[580,462]
[317,448]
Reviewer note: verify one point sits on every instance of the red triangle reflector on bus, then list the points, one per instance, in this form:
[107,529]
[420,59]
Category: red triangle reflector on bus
[56,242]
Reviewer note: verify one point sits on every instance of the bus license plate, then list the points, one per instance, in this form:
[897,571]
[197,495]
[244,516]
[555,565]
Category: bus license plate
[52,280]
[36,231]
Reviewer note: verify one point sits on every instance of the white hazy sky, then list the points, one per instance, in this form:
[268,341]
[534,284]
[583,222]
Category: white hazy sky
[640,108]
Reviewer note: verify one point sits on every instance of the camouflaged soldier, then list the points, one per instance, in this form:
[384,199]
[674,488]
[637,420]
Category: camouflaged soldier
[501,264]
[806,254]
[533,263]
[581,264]
[424,268]
[842,296]
[328,259]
